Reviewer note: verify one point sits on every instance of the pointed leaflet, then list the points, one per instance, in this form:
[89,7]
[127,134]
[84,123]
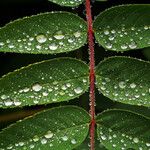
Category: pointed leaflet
[59,128]
[126,80]
[70,3]
[118,129]
[46,33]
[123,27]
[45,82]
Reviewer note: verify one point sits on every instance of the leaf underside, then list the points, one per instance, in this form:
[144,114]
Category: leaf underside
[126,80]
[118,129]
[69,3]
[123,28]
[62,128]
[45,82]
[47,33]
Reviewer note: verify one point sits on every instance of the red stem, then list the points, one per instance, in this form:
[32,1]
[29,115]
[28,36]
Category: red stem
[92,72]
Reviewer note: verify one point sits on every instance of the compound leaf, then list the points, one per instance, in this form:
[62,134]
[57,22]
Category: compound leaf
[126,80]
[123,28]
[53,129]
[45,82]
[46,33]
[119,129]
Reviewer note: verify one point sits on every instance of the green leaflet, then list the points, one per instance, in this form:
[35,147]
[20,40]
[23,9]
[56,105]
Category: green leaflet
[118,129]
[126,80]
[46,33]
[123,28]
[45,82]
[70,3]
[59,128]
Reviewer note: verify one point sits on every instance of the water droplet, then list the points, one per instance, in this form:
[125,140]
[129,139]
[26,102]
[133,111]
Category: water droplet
[111,38]
[4,97]
[35,101]
[26,89]
[64,87]
[1,43]
[124,46]
[107,79]
[53,47]
[17,103]
[78,90]
[45,94]
[137,96]
[122,85]
[31,146]
[49,135]
[21,143]
[64,138]
[148,144]
[146,27]
[135,140]
[132,85]
[35,138]
[59,35]
[36,87]
[77,34]
[70,40]
[11,46]
[70,94]
[84,80]
[43,141]
[8,102]
[106,32]
[68,85]
[132,45]
[108,45]
[73,141]
[41,38]
[103,137]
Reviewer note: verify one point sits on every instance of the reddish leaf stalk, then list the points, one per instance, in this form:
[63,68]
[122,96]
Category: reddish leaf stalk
[92,72]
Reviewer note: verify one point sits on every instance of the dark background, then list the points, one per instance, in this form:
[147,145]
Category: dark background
[14,9]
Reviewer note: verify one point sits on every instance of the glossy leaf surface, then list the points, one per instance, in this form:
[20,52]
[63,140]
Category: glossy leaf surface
[46,33]
[45,82]
[53,129]
[124,27]
[118,129]
[126,80]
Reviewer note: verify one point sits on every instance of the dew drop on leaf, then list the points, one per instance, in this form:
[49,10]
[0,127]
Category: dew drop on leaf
[36,87]
[49,135]
[122,84]
[78,90]
[73,141]
[41,38]
[43,141]
[64,138]
[53,47]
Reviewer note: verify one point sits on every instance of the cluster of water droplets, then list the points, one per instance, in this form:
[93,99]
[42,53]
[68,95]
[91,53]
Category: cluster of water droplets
[68,2]
[121,141]
[124,90]
[45,42]
[119,39]
[49,140]
[45,93]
